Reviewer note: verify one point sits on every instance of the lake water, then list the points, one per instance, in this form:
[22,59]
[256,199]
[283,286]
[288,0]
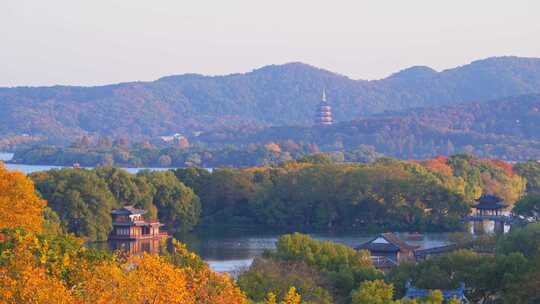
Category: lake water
[27,169]
[231,252]
[6,156]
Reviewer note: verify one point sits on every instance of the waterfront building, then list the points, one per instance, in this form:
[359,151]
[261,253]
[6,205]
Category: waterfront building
[489,209]
[489,205]
[323,116]
[129,224]
[388,250]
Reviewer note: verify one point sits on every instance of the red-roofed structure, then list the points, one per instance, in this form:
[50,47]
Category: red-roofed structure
[129,224]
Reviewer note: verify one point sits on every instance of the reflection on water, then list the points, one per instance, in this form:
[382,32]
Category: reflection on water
[233,251]
[136,246]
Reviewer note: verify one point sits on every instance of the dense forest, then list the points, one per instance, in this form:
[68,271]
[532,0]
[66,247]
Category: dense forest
[146,154]
[315,194]
[310,194]
[274,95]
[41,263]
[505,129]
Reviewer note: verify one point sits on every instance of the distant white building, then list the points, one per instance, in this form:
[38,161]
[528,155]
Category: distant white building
[169,138]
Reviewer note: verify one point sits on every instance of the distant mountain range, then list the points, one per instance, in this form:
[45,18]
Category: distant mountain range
[275,95]
[507,128]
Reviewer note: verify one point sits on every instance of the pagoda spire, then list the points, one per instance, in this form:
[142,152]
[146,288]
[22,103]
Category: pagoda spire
[323,116]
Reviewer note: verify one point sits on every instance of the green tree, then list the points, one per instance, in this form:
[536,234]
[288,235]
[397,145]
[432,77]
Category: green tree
[373,292]
[524,240]
[270,276]
[531,172]
[485,276]
[318,158]
[528,206]
[343,266]
[80,198]
[177,205]
[129,189]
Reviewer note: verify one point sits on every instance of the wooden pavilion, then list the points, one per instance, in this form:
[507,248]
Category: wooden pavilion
[129,224]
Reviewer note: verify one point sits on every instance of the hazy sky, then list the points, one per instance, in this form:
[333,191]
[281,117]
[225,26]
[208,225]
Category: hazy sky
[89,42]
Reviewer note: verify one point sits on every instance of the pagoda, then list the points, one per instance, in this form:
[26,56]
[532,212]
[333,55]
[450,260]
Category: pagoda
[324,112]
[489,209]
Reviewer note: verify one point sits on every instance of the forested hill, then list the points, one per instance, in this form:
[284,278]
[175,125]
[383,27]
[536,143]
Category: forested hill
[507,128]
[272,95]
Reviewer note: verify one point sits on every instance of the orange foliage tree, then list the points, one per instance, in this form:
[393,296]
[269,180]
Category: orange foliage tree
[45,269]
[207,286]
[439,164]
[141,279]
[19,204]
[24,279]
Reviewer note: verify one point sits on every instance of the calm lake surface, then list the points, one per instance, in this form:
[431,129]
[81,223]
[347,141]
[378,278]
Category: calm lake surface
[27,169]
[234,251]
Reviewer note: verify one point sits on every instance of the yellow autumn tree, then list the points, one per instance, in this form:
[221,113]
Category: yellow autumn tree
[271,298]
[141,279]
[179,278]
[19,204]
[207,286]
[23,278]
[102,283]
[292,297]
[154,280]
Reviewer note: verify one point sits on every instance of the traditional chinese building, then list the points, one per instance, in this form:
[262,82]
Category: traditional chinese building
[489,205]
[413,293]
[388,250]
[129,224]
[489,210]
[323,116]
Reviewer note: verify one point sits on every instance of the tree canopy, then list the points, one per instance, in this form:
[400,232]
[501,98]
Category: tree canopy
[20,206]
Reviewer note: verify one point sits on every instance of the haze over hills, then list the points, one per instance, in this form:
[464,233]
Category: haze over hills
[270,96]
[507,128]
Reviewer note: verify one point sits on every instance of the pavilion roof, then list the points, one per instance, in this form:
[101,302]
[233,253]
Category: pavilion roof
[387,242]
[488,201]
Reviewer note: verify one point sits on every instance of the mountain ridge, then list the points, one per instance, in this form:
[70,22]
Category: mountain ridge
[286,64]
[272,95]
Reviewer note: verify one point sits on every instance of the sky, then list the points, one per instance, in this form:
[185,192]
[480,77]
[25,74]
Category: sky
[77,42]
